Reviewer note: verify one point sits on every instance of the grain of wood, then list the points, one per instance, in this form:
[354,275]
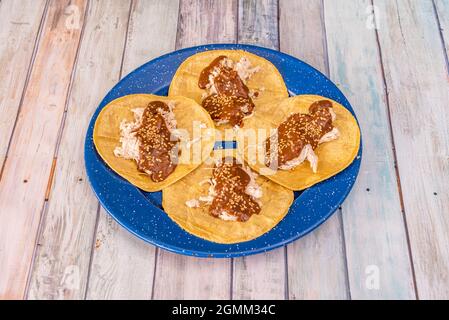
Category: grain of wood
[418,87]
[211,19]
[180,277]
[262,276]
[27,168]
[258,23]
[63,254]
[20,27]
[316,263]
[122,265]
[442,11]
[376,240]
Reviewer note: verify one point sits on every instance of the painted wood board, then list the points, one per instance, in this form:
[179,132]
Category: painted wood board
[261,276]
[202,22]
[27,168]
[258,23]
[181,277]
[442,12]
[64,248]
[376,240]
[418,96]
[122,265]
[20,26]
[309,259]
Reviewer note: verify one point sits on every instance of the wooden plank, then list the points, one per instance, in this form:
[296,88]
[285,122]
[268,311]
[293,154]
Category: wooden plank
[64,247]
[418,87]
[179,277]
[442,11]
[27,168]
[203,22]
[376,240]
[303,34]
[20,27]
[122,265]
[258,23]
[261,276]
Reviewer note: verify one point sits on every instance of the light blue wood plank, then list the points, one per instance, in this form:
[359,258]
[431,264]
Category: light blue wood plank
[442,11]
[418,86]
[376,242]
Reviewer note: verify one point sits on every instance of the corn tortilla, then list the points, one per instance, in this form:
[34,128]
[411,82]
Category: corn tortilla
[107,137]
[267,81]
[275,203]
[333,156]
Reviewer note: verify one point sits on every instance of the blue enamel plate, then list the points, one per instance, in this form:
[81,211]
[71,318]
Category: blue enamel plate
[141,212]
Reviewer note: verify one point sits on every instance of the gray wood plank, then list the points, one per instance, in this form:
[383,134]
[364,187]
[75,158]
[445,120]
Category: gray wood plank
[64,247]
[442,12]
[261,276]
[418,96]
[122,265]
[376,240]
[202,22]
[180,277]
[258,23]
[316,263]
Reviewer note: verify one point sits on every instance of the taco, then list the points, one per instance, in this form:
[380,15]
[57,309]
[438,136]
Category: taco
[300,141]
[153,141]
[229,84]
[224,201]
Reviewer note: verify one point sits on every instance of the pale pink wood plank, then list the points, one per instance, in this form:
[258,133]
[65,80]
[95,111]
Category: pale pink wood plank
[20,22]
[418,95]
[63,254]
[26,171]
[316,263]
[122,265]
[261,276]
[180,277]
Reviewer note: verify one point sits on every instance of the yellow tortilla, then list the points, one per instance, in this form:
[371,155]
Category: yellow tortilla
[107,137]
[267,81]
[275,202]
[333,156]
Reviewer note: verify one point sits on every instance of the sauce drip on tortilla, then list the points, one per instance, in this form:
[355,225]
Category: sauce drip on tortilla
[231,182]
[232,102]
[156,147]
[300,130]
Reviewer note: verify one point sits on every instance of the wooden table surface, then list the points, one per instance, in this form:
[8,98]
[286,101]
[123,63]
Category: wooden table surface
[390,238]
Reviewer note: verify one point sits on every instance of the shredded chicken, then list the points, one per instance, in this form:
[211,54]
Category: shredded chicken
[330,136]
[307,152]
[227,217]
[253,189]
[193,203]
[129,144]
[243,68]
